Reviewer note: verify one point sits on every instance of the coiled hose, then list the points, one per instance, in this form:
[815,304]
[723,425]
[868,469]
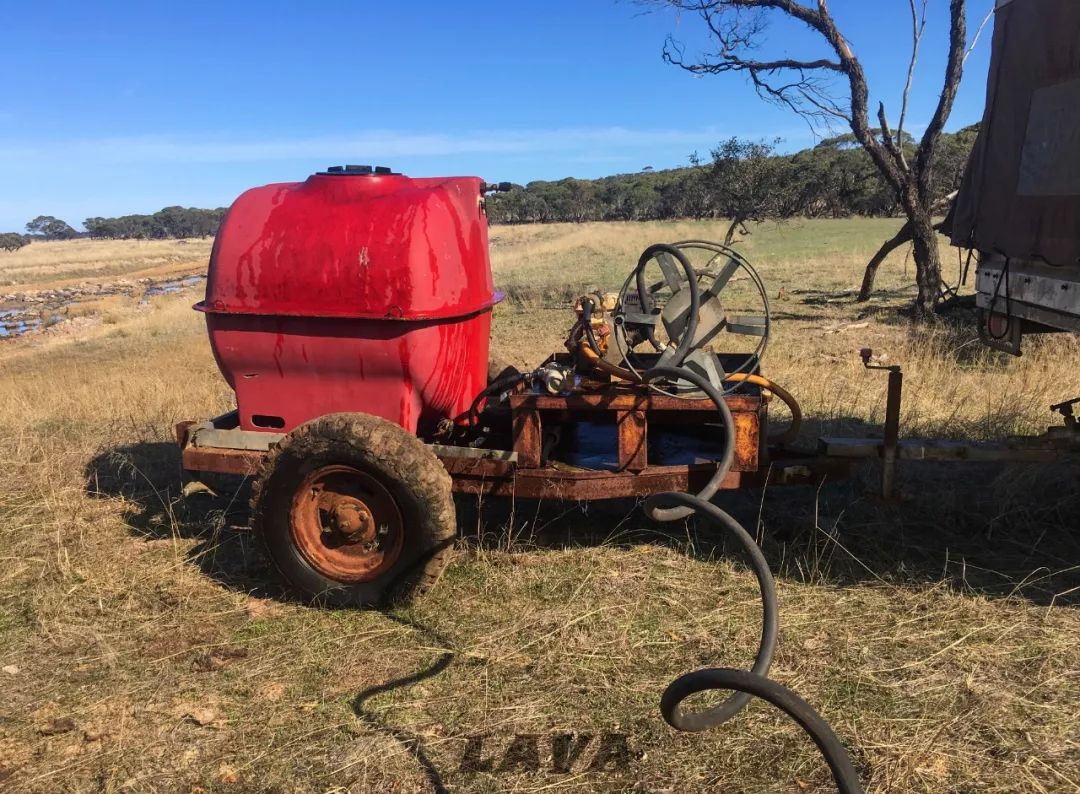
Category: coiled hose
[747,684]
[673,505]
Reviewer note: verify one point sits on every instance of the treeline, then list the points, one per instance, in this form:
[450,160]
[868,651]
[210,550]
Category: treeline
[168,223]
[743,180]
[740,181]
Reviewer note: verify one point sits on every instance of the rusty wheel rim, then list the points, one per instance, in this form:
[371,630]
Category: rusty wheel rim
[346,524]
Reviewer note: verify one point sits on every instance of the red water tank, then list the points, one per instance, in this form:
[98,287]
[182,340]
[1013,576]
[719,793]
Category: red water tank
[355,290]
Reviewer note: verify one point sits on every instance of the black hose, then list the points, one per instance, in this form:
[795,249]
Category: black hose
[726,460]
[751,684]
[673,505]
[686,341]
[770,624]
[645,300]
[732,254]
[747,684]
[496,386]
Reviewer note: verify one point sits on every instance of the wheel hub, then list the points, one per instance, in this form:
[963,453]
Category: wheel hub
[346,524]
[351,519]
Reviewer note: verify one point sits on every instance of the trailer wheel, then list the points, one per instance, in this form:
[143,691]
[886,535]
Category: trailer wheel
[354,511]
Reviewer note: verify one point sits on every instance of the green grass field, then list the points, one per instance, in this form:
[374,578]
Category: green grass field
[146,646]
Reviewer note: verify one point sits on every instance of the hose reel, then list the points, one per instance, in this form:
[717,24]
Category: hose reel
[650,311]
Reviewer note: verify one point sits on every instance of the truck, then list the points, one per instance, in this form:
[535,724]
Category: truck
[1018,207]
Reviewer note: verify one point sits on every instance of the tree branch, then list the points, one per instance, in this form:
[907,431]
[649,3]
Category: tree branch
[888,141]
[736,33]
[918,25]
[954,69]
[738,28]
[730,63]
[860,98]
[978,32]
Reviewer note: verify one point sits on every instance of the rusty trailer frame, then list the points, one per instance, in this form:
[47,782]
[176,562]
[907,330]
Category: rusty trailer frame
[525,471]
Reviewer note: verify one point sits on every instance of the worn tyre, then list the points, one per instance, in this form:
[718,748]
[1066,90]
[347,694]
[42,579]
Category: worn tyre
[354,511]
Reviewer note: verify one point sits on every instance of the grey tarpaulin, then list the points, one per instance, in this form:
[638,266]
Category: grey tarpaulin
[1021,191]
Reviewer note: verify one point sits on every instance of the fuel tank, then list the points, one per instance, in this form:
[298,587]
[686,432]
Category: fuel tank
[357,289]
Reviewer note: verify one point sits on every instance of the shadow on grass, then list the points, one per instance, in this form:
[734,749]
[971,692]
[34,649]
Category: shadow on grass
[148,478]
[992,529]
[408,741]
[997,530]
[1004,532]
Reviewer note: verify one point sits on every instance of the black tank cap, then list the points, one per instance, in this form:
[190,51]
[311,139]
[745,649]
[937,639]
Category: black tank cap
[358,170]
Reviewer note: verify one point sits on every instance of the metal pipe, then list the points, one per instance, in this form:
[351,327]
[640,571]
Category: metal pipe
[892,432]
[890,447]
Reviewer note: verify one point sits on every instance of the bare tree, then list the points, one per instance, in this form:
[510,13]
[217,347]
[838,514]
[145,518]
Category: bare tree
[834,89]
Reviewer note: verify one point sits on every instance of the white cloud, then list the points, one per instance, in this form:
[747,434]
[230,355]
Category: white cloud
[373,144]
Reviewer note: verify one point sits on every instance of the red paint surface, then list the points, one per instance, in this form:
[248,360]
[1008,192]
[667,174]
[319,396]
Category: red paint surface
[353,293]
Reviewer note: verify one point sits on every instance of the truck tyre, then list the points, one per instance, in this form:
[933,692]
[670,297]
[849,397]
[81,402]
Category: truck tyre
[354,511]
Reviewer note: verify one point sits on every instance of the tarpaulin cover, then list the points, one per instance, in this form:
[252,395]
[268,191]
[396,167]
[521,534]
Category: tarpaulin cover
[1021,191]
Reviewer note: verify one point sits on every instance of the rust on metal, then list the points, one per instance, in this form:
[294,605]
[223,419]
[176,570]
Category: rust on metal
[555,482]
[243,462]
[531,409]
[529,476]
[506,478]
[458,466]
[527,436]
[1039,449]
[747,440]
[633,440]
[346,524]
[627,399]
[183,430]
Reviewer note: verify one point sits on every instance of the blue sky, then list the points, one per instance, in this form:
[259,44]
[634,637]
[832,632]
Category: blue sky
[110,108]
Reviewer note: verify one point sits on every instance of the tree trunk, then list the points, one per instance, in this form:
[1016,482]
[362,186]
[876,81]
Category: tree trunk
[890,245]
[731,232]
[927,258]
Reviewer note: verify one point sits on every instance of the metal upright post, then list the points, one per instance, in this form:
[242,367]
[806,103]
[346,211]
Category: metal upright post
[890,447]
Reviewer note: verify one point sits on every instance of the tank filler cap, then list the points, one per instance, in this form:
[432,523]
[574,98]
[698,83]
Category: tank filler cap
[358,170]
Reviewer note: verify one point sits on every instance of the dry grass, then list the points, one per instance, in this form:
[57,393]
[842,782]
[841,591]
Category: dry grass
[51,264]
[937,635]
